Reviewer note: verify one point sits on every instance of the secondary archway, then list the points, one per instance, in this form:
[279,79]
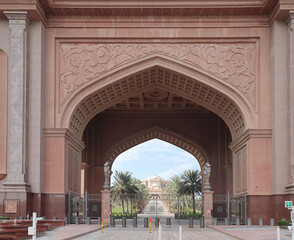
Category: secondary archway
[163,134]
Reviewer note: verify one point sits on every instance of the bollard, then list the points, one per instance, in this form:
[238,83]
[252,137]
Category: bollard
[156,222]
[149,225]
[112,222]
[202,222]
[249,223]
[272,222]
[32,231]
[102,224]
[77,220]
[180,232]
[88,220]
[146,222]
[214,221]
[226,221]
[159,231]
[123,221]
[135,222]
[168,222]
[260,222]
[190,222]
[238,221]
[278,233]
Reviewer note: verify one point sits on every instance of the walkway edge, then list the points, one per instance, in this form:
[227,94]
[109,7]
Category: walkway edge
[224,232]
[85,233]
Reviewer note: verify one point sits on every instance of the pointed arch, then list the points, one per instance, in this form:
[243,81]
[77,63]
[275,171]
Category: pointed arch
[204,89]
[161,133]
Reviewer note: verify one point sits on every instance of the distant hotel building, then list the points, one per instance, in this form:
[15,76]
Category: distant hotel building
[155,184]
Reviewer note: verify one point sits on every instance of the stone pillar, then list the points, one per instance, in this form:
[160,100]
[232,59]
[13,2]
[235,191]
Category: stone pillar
[208,205]
[16,180]
[290,23]
[105,208]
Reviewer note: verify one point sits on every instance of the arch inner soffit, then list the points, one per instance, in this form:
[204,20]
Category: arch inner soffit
[158,78]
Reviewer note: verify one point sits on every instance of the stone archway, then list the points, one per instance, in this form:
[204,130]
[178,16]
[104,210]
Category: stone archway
[161,133]
[171,137]
[224,95]
[217,96]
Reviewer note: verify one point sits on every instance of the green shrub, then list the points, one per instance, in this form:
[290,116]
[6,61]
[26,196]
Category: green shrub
[4,218]
[185,216]
[284,223]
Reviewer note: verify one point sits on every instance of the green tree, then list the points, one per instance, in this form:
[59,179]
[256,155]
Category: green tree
[125,188]
[191,184]
[172,192]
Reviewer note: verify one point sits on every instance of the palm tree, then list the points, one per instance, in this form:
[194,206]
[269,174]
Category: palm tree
[141,192]
[123,186]
[191,184]
[172,191]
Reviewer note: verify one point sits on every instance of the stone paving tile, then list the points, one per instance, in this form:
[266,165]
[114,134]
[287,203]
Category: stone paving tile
[253,232]
[119,233]
[68,232]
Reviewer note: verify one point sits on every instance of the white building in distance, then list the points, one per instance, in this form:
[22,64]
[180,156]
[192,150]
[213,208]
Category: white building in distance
[155,184]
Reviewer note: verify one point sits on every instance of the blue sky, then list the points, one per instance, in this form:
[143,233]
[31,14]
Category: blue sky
[155,157]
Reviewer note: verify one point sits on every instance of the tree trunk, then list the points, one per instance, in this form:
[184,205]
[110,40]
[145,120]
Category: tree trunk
[132,205]
[127,206]
[123,205]
[194,207]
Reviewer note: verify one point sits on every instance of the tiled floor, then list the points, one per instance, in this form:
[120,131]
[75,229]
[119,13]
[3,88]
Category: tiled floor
[119,233]
[89,232]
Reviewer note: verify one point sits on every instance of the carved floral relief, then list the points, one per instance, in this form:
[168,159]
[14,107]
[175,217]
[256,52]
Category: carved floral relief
[84,62]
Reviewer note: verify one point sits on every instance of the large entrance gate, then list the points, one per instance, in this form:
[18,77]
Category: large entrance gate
[229,209]
[84,207]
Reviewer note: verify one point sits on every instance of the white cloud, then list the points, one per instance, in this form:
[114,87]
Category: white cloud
[177,171]
[155,156]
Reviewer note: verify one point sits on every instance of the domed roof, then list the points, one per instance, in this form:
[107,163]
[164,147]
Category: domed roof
[155,177]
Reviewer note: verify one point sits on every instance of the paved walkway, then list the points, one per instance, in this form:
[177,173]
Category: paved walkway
[254,232]
[68,232]
[119,233]
[89,232]
[155,208]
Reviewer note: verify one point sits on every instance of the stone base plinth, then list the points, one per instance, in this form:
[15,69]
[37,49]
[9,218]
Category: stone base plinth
[105,206]
[208,205]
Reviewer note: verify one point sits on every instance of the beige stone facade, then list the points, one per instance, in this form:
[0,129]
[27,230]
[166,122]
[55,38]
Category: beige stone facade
[81,82]
[155,185]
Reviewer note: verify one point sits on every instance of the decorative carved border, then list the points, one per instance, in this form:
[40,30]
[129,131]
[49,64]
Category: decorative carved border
[81,63]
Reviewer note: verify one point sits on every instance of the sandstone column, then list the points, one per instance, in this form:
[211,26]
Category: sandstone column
[290,23]
[17,108]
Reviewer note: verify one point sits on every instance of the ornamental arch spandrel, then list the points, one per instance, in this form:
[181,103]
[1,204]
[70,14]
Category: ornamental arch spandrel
[228,68]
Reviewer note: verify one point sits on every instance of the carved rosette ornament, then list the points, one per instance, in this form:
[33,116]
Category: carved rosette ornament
[84,62]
